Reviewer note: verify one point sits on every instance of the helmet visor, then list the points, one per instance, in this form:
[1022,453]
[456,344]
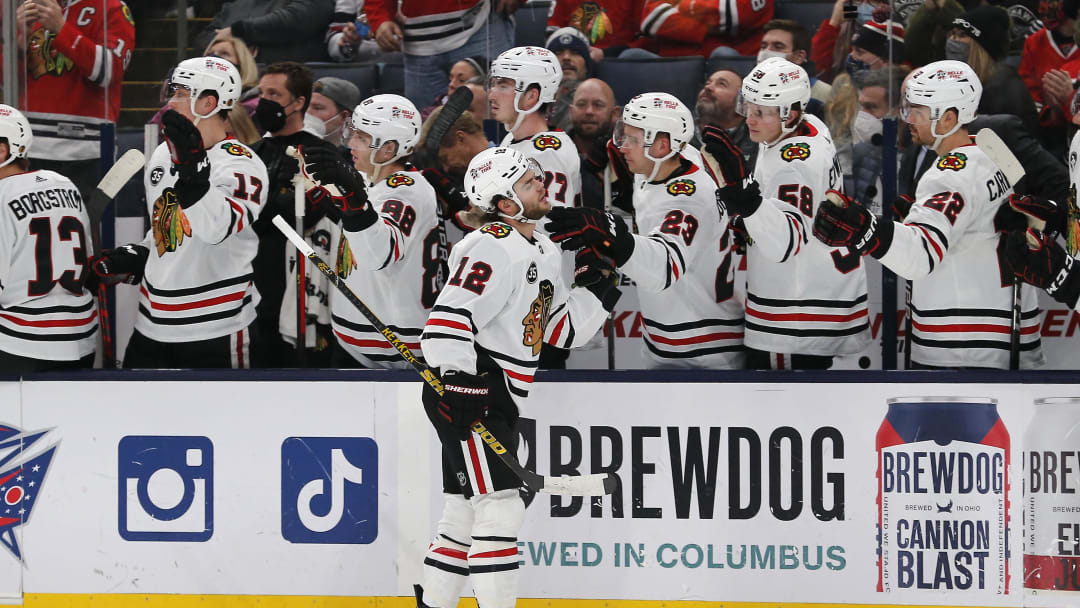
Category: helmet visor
[533,177]
[914,114]
[620,137]
[748,109]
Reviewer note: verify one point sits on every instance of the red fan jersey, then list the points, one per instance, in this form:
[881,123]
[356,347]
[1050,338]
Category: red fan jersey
[604,22]
[698,27]
[76,75]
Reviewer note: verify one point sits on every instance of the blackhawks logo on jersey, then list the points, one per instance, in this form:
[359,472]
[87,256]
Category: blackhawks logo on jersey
[799,151]
[536,321]
[681,186]
[127,13]
[592,20]
[42,59]
[953,161]
[235,149]
[169,222]
[543,142]
[497,230]
[397,180]
[346,263]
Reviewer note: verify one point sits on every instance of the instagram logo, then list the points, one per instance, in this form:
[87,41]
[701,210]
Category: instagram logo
[166,488]
[329,490]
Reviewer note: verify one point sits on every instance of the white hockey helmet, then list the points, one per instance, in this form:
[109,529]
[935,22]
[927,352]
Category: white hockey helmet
[776,82]
[208,74]
[657,113]
[527,66]
[493,173]
[16,130]
[942,86]
[387,118]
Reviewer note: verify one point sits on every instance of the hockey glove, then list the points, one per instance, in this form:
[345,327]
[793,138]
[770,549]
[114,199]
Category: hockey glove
[902,206]
[724,158]
[1045,215]
[464,401]
[596,272]
[574,228]
[841,222]
[1039,260]
[327,167]
[121,265]
[451,197]
[189,160]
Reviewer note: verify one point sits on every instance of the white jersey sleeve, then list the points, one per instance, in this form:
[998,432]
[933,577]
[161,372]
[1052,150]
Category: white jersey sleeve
[575,321]
[231,200]
[779,227]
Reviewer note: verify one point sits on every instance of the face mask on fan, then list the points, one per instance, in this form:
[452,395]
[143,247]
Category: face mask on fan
[864,129]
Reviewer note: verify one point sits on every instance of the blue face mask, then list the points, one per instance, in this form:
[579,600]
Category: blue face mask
[854,67]
[866,13]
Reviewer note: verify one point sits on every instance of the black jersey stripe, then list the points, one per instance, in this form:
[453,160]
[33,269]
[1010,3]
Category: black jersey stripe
[191,291]
[779,303]
[438,335]
[974,312]
[808,333]
[507,358]
[1003,344]
[360,327]
[944,242]
[446,567]
[689,354]
[45,310]
[41,337]
[464,312]
[675,327]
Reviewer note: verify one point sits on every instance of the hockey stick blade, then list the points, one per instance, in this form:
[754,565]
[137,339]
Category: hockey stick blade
[990,143]
[122,170]
[454,107]
[569,485]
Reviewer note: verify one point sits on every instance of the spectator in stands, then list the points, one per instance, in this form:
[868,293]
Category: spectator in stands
[463,140]
[873,46]
[349,36]
[1049,49]
[282,30]
[593,113]
[791,40]
[840,114]
[75,61]
[470,70]
[611,26]
[572,49]
[479,107]
[716,107]
[431,47]
[702,28]
[832,42]
[878,97]
[238,53]
[332,103]
[286,91]
[980,38]
[928,29]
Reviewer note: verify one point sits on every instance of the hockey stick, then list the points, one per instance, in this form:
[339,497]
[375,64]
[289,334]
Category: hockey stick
[301,278]
[122,170]
[454,107]
[567,485]
[991,145]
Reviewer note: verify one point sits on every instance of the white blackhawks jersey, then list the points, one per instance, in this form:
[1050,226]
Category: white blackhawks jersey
[682,265]
[198,280]
[44,247]
[558,157]
[396,266]
[961,299]
[803,297]
[506,296]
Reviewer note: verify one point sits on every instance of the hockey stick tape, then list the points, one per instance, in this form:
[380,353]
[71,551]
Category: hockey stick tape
[309,181]
[294,238]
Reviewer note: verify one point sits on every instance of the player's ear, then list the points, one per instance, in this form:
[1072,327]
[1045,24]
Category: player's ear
[799,57]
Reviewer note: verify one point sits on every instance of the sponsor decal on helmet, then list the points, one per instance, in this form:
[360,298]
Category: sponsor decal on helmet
[954,161]
[497,230]
[799,151]
[682,186]
[543,142]
[235,149]
[398,179]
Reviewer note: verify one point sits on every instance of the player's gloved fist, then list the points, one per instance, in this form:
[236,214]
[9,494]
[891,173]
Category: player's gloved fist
[121,265]
[841,222]
[451,198]
[1046,215]
[326,167]
[1037,259]
[902,206]
[189,160]
[596,272]
[577,227]
[741,198]
[464,401]
[723,156]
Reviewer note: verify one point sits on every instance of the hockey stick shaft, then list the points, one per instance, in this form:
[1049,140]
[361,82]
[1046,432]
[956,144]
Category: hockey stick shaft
[1014,331]
[571,485]
[301,283]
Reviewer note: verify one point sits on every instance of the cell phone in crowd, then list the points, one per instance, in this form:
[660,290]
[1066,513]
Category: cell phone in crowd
[363,30]
[851,11]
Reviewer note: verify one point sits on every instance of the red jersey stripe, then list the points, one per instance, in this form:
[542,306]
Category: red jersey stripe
[511,552]
[806,316]
[478,475]
[972,327]
[52,322]
[450,324]
[229,297]
[519,377]
[696,339]
[373,343]
[454,553]
[937,249]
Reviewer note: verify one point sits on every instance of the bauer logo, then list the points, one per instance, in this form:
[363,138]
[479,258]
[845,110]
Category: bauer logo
[23,465]
[166,488]
[942,494]
[329,490]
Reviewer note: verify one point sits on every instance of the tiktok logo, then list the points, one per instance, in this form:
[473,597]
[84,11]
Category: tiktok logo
[329,490]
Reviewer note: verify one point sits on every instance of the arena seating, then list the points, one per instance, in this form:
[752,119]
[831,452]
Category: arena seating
[680,76]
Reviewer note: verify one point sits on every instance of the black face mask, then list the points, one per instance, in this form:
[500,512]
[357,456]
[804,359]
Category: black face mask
[270,114]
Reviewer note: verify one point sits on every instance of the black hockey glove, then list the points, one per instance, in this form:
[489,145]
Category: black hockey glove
[902,206]
[327,167]
[596,272]
[464,401]
[1039,260]
[189,160]
[121,265]
[1053,215]
[842,222]
[577,227]
[451,197]
[740,193]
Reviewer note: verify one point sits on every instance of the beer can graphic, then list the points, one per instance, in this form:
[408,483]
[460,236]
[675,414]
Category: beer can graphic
[1052,503]
[943,509]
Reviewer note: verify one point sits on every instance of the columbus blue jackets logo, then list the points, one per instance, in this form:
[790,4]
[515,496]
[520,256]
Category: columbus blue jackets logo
[235,149]
[23,465]
[799,151]
[953,161]
[543,142]
[497,230]
[397,180]
[682,186]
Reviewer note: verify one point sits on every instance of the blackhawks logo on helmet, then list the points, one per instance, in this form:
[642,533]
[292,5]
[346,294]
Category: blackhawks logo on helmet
[799,151]
[346,263]
[681,186]
[235,149]
[398,179]
[497,230]
[536,321]
[169,222]
[954,161]
[543,142]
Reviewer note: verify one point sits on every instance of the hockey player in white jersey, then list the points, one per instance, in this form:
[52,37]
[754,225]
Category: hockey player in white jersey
[506,296]
[203,191]
[47,318]
[805,302]
[681,259]
[391,247]
[962,294]
[523,81]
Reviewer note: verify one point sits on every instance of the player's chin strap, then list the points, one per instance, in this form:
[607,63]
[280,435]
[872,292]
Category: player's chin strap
[656,162]
[940,138]
[785,131]
[521,114]
[520,215]
[11,158]
[379,166]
